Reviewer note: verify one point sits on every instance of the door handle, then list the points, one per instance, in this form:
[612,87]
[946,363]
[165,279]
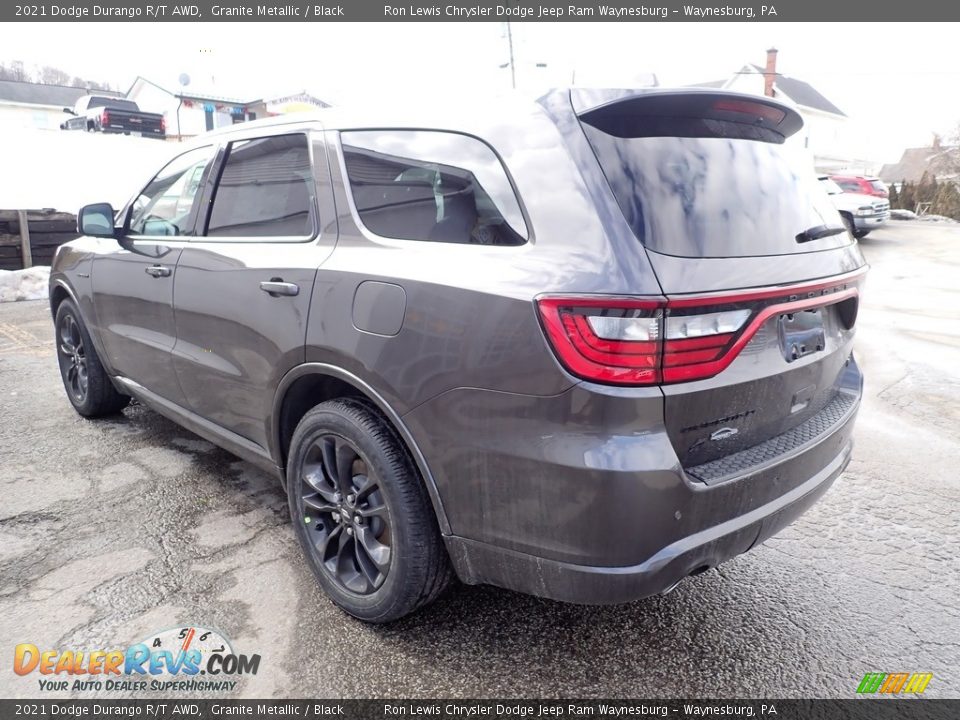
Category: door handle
[158,271]
[276,287]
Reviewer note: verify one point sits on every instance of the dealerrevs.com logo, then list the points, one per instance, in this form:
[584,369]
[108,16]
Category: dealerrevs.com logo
[192,659]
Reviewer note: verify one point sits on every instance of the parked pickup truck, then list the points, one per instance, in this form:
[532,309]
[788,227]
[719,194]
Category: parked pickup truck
[100,113]
[860,213]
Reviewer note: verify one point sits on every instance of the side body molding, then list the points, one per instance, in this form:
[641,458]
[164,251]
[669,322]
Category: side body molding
[315,368]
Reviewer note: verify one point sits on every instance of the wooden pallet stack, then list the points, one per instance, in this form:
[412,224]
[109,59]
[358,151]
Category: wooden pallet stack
[30,237]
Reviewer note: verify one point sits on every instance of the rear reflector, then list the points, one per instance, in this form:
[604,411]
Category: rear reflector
[648,341]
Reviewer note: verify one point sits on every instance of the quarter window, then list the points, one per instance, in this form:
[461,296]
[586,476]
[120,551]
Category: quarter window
[431,185]
[164,207]
[266,189]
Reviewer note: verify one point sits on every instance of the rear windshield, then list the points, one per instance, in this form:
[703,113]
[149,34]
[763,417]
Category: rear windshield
[97,101]
[715,196]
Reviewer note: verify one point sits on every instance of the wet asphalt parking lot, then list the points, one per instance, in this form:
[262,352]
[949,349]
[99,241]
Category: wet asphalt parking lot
[113,529]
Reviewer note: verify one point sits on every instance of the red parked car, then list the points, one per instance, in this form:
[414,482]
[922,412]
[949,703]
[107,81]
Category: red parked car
[862,185]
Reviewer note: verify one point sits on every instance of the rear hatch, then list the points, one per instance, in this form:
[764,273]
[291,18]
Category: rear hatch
[760,280]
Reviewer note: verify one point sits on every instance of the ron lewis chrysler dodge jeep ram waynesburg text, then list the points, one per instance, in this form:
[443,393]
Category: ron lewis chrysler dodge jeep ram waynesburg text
[582,347]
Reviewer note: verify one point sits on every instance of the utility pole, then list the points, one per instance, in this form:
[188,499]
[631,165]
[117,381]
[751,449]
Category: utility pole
[513,72]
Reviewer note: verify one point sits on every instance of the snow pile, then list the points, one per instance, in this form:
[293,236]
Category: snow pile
[29,284]
[65,169]
[903,215]
[909,215]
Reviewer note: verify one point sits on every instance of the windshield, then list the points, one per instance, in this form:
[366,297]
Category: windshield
[830,186]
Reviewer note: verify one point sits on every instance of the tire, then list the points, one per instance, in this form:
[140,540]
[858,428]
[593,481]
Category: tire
[860,234]
[849,224]
[87,384]
[362,514]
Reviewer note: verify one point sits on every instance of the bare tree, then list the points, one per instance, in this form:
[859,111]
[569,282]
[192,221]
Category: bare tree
[18,72]
[48,75]
[53,76]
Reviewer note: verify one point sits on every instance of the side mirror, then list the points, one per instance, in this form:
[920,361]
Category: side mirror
[96,221]
[69,111]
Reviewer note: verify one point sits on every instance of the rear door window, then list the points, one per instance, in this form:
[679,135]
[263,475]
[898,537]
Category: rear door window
[433,186]
[266,189]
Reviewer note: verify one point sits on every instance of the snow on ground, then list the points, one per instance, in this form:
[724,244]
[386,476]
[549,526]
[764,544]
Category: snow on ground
[936,219]
[66,169]
[29,284]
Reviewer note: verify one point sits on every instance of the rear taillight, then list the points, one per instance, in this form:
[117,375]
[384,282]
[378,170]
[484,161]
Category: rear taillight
[609,340]
[163,124]
[648,341]
[105,118]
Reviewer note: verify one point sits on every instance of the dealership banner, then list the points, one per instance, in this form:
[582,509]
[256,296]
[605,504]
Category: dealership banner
[893,709]
[858,11]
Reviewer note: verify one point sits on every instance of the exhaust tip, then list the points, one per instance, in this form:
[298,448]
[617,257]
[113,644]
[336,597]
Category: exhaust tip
[699,570]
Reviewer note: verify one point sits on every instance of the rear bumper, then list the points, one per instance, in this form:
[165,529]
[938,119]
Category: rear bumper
[580,496]
[479,563]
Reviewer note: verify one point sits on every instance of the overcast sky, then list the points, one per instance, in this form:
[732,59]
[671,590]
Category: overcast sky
[898,82]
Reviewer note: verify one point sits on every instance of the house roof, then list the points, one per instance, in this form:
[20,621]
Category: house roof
[39,94]
[802,93]
[202,95]
[939,162]
[190,94]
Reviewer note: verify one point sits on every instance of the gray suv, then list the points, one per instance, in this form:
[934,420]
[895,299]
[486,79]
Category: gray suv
[581,347]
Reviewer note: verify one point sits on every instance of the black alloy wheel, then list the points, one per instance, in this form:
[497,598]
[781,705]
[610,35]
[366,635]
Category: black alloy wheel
[87,383]
[362,513]
[346,515]
[73,358]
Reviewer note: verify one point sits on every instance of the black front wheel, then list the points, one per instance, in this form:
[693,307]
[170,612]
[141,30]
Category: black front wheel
[362,514]
[87,384]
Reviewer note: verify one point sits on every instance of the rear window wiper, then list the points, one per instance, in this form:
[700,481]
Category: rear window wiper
[820,231]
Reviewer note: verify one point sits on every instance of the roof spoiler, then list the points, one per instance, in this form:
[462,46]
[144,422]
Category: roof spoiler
[689,112]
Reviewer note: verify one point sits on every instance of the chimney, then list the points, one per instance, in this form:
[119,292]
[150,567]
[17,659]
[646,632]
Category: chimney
[770,73]
[936,142]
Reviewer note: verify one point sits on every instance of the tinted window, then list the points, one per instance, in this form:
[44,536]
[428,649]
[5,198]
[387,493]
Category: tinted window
[266,189]
[715,196]
[429,185]
[164,206]
[97,101]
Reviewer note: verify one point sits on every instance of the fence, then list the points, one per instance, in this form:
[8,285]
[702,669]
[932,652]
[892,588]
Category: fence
[30,237]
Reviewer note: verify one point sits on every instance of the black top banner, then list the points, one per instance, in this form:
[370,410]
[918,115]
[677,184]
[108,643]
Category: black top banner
[851,11]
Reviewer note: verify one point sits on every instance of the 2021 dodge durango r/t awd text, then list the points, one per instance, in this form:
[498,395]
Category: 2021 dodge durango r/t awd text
[581,347]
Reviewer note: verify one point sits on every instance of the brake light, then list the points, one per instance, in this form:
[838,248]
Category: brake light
[745,107]
[653,340]
[163,124]
[105,117]
[605,339]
